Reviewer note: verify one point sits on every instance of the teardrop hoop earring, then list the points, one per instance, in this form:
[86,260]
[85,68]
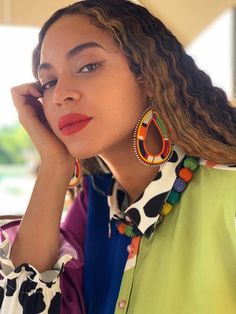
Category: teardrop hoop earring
[140,137]
[75,179]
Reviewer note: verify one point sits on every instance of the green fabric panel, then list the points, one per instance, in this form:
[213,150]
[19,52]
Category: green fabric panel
[189,265]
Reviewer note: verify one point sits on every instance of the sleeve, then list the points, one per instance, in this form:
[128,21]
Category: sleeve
[75,220]
[23,290]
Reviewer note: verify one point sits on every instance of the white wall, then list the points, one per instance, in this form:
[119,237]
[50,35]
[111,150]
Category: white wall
[213,51]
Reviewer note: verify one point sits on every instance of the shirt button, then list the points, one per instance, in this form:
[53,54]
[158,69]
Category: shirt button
[130,249]
[122,304]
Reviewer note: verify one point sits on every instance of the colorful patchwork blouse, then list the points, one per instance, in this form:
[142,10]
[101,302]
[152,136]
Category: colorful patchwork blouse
[185,264]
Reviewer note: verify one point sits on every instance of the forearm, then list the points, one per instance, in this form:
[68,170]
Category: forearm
[37,240]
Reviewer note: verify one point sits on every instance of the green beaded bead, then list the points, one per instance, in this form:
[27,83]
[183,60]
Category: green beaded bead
[129,231]
[173,197]
[191,163]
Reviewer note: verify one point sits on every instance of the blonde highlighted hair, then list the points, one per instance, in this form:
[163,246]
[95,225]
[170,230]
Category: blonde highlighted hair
[197,115]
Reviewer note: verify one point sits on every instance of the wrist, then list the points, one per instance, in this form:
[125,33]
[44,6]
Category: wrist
[57,168]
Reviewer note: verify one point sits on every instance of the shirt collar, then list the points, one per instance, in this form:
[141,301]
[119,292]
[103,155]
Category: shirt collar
[145,211]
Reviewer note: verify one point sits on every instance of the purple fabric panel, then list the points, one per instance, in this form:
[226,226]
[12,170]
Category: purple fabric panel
[75,220]
[11,228]
[71,286]
[73,229]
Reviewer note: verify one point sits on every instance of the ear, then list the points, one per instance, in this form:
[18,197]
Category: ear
[148,89]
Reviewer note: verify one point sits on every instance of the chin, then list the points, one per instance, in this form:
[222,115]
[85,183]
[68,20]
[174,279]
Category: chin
[80,153]
[86,149]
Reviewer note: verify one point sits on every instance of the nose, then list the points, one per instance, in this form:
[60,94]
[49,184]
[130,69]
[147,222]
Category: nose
[65,92]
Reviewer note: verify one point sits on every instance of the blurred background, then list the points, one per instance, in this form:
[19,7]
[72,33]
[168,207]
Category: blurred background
[207,28]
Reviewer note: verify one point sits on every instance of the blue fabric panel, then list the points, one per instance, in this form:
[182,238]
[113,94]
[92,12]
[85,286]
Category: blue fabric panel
[105,257]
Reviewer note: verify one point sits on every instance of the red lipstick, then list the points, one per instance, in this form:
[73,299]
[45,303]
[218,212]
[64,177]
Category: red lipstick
[72,123]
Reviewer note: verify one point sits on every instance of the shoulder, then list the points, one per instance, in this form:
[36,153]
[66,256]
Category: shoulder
[213,165]
[218,181]
[216,192]
[223,174]
[211,195]
[217,171]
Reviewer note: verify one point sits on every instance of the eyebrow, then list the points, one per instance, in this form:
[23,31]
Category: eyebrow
[72,52]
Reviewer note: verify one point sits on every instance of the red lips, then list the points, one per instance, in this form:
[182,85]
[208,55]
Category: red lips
[72,123]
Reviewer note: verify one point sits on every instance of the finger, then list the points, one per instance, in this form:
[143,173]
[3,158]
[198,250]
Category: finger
[26,90]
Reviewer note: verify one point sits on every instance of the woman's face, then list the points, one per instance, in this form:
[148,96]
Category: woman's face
[92,100]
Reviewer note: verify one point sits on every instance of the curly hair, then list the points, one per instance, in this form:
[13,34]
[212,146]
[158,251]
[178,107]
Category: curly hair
[197,115]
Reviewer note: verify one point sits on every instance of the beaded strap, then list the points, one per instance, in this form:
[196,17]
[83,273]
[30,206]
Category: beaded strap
[184,176]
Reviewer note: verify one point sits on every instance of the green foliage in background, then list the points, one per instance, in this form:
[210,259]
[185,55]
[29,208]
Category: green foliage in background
[15,145]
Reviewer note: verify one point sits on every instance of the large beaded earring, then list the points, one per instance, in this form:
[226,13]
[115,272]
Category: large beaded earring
[76,175]
[148,117]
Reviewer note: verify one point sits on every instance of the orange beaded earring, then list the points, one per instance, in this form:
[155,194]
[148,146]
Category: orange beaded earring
[148,117]
[76,175]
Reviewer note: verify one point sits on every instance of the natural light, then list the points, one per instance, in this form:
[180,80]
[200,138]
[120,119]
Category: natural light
[15,64]
[212,51]
[16,181]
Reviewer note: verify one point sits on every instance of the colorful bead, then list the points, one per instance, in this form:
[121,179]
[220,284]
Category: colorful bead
[166,209]
[191,163]
[121,227]
[173,197]
[179,185]
[185,174]
[129,231]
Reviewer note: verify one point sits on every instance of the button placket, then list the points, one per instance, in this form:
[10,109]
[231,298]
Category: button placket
[128,277]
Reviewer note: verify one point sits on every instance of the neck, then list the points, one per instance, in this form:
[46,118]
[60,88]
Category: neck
[131,174]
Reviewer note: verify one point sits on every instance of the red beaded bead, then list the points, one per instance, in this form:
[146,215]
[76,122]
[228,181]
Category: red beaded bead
[121,228]
[185,174]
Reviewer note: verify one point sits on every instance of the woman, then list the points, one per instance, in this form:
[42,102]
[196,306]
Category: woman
[154,222]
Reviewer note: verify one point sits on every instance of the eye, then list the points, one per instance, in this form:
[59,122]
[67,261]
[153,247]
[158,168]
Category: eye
[48,85]
[89,67]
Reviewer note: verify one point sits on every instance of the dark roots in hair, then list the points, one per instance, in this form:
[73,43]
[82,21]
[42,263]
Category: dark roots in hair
[198,116]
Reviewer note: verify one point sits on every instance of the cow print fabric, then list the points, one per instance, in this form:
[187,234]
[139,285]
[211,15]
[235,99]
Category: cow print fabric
[24,290]
[145,211]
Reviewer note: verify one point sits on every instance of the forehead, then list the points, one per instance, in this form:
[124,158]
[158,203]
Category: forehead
[71,30]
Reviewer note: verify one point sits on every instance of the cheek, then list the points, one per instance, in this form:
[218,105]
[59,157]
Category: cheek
[50,115]
[124,105]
